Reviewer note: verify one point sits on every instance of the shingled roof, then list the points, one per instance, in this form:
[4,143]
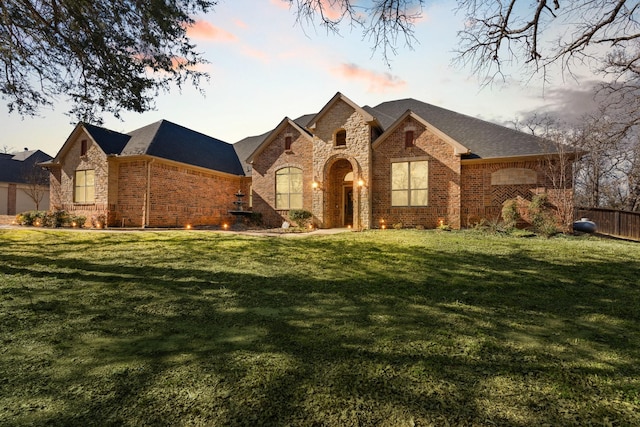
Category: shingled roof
[168,141]
[15,168]
[110,142]
[485,140]
[174,142]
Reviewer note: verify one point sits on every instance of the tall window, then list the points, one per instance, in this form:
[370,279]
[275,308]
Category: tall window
[83,147]
[341,138]
[287,142]
[84,187]
[410,183]
[289,188]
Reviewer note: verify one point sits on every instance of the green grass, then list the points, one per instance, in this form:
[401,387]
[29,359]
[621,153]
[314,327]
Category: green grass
[389,328]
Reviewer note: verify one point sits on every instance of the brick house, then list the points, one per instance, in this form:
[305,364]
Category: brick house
[161,175]
[24,186]
[402,161]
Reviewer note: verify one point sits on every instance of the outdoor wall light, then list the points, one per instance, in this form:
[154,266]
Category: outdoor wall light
[188,226]
[225,225]
[361,182]
[316,185]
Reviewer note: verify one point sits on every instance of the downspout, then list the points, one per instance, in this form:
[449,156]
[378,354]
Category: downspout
[147,197]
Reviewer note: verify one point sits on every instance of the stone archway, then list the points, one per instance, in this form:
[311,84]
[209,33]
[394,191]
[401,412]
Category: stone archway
[340,197]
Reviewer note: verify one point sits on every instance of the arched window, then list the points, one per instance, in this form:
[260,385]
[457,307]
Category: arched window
[289,188]
[341,138]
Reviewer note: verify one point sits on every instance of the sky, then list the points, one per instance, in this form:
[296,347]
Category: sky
[265,66]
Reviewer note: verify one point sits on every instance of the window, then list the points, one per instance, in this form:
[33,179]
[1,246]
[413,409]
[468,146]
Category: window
[341,138]
[287,142]
[289,188]
[83,147]
[409,139]
[84,187]
[409,183]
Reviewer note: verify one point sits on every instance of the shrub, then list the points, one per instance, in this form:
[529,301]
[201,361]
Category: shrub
[542,217]
[510,214]
[398,225]
[300,217]
[78,220]
[57,218]
[31,218]
[99,221]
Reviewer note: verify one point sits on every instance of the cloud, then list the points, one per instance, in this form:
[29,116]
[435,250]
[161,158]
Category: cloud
[203,30]
[377,82]
[241,24]
[331,9]
[282,4]
[569,104]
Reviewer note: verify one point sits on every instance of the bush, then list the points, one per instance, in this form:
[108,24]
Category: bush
[300,217]
[398,225]
[510,214]
[99,221]
[57,218]
[77,221]
[542,218]
[36,218]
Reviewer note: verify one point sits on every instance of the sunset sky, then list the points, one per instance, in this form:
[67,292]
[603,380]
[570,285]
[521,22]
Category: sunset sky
[265,66]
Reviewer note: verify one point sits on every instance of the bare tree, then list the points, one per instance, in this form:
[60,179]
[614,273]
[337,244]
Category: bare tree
[602,33]
[561,153]
[37,182]
[386,24]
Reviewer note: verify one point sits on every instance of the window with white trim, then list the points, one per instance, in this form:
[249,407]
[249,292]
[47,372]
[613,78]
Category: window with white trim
[410,183]
[289,188]
[84,187]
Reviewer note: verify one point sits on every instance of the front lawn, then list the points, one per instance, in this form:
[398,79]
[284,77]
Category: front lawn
[389,328]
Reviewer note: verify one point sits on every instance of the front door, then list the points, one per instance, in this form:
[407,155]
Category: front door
[347,206]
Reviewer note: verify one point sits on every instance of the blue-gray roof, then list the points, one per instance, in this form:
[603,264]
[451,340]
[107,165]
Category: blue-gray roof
[17,168]
[109,141]
[174,142]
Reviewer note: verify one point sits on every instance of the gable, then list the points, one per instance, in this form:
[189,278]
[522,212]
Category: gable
[284,125]
[405,120]
[330,107]
[484,140]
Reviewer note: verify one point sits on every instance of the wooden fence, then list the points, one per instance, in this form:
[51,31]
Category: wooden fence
[623,224]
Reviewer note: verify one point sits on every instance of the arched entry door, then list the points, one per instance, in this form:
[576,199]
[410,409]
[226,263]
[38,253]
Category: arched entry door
[340,203]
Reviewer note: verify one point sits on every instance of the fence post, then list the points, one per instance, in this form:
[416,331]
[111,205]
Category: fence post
[616,225]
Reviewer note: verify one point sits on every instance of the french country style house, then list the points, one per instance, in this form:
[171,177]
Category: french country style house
[403,161]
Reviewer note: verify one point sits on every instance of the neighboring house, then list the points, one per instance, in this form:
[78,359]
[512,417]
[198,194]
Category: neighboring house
[402,161]
[24,185]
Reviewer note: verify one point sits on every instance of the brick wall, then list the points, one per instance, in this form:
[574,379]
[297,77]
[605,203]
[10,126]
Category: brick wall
[273,158]
[62,179]
[486,186]
[178,194]
[444,178]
